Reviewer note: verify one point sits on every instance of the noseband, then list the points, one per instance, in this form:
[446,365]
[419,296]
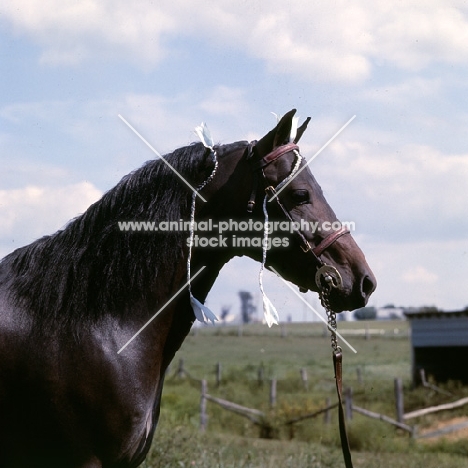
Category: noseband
[257,169]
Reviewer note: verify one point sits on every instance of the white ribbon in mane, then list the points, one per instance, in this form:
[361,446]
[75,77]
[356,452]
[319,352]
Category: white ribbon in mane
[202,313]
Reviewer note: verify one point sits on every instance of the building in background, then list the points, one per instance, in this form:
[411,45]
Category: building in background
[439,344]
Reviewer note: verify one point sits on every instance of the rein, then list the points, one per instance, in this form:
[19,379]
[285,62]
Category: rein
[327,277]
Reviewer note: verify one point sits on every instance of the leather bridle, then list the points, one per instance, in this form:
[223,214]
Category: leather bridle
[258,166]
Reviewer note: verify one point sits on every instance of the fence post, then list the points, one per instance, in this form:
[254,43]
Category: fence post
[272,393]
[203,415]
[425,383]
[422,375]
[304,378]
[349,403]
[399,406]
[218,374]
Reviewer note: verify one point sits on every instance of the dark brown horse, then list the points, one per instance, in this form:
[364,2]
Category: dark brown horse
[70,301]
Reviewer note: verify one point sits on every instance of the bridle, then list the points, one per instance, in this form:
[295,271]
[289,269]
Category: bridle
[258,166]
[327,277]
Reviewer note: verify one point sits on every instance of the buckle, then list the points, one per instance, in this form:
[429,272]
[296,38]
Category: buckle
[270,191]
[306,246]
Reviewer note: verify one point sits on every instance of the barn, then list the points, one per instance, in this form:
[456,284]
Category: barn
[439,342]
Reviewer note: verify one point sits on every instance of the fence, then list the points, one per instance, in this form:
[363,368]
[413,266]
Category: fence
[181,372]
[256,416]
[261,419]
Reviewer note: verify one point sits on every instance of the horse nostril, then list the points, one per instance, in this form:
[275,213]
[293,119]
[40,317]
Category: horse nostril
[368,286]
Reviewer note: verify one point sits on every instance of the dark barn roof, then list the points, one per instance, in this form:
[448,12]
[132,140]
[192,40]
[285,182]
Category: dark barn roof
[437,328]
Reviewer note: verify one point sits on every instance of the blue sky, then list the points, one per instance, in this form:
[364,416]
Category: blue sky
[399,170]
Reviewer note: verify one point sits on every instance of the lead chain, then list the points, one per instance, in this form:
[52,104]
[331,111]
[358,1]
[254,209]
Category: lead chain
[331,319]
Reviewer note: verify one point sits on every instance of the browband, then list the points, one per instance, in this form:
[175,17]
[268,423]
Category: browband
[274,155]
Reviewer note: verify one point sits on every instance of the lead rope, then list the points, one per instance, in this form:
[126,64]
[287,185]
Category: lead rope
[331,282]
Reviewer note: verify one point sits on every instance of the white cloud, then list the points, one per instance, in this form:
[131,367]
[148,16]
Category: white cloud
[34,211]
[416,33]
[340,41]
[72,31]
[401,192]
[316,42]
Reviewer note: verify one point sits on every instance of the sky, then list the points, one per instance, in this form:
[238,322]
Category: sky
[399,171]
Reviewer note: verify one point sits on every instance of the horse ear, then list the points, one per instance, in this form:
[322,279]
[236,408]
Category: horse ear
[301,130]
[276,137]
[283,129]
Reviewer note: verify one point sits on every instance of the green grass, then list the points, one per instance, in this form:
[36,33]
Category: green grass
[304,346]
[233,441]
[184,447]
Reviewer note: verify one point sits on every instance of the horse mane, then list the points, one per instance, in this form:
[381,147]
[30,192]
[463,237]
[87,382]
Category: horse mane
[91,267]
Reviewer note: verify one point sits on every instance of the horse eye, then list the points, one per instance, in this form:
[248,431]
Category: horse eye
[300,197]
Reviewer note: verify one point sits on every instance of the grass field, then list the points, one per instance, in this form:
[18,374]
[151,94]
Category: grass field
[233,441]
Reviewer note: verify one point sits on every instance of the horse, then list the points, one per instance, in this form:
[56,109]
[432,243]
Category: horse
[71,300]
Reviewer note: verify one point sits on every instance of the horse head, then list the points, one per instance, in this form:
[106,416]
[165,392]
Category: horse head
[309,247]
[302,201]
